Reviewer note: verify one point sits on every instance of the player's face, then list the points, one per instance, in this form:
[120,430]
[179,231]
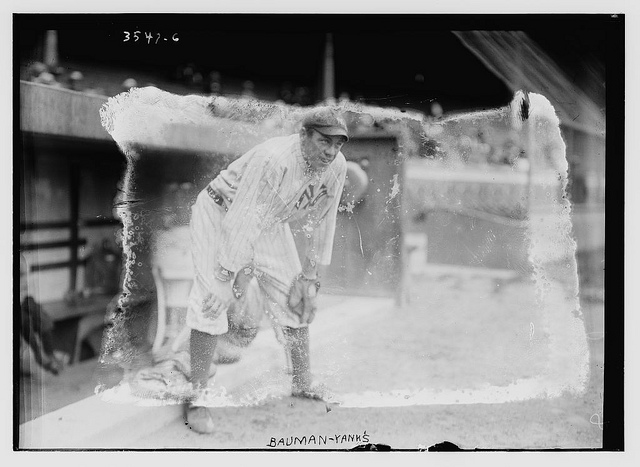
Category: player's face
[321,150]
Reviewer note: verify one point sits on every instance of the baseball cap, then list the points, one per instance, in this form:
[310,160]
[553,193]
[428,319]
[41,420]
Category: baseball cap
[326,121]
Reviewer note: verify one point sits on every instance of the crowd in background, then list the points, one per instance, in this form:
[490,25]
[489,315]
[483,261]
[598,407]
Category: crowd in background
[476,146]
[186,79]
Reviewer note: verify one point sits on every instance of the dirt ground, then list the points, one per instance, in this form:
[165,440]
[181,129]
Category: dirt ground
[406,377]
[457,336]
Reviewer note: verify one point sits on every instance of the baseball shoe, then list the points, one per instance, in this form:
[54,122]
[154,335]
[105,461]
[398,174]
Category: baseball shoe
[226,353]
[315,391]
[199,419]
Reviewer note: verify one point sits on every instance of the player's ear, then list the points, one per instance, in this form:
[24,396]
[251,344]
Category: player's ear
[305,132]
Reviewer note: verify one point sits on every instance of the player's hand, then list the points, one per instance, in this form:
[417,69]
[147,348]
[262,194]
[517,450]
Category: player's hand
[220,295]
[303,298]
[242,281]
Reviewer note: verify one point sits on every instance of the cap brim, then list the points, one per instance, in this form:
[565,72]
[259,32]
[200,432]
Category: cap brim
[328,131]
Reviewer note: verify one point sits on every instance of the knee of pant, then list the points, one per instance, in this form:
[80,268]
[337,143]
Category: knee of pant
[242,337]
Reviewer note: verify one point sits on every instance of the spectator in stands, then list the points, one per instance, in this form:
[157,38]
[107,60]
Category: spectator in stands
[47,78]
[75,80]
[198,80]
[215,83]
[35,69]
[248,89]
[187,74]
[128,84]
[301,96]
[365,122]
[510,152]
[286,92]
[436,110]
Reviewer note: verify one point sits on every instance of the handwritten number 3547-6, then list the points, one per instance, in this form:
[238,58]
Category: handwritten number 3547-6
[137,35]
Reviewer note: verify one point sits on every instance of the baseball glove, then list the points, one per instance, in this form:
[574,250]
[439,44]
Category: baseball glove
[302,298]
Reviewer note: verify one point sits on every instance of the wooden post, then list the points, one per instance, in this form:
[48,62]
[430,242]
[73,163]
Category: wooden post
[328,74]
[51,49]
[403,293]
[74,200]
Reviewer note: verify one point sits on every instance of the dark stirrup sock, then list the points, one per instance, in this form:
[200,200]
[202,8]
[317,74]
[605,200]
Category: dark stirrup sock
[201,346]
[298,342]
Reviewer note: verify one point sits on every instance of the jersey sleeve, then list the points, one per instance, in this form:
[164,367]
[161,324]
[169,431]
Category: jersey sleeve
[254,209]
[323,220]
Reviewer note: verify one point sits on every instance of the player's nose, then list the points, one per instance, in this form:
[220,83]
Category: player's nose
[332,151]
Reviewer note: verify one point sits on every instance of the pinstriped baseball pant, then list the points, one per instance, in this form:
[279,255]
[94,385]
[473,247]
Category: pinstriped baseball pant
[276,264]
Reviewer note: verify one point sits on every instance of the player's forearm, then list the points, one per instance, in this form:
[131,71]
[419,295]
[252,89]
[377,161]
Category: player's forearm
[310,268]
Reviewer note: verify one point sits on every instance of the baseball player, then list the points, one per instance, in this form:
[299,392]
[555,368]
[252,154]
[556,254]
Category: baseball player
[245,258]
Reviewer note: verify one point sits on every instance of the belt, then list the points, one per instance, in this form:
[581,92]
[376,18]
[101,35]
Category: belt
[216,197]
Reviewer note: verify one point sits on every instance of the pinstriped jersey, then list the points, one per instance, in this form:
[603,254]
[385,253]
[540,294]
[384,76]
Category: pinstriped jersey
[271,184]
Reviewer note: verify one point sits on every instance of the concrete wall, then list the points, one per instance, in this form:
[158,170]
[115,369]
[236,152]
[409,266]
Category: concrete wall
[366,256]
[61,112]
[472,216]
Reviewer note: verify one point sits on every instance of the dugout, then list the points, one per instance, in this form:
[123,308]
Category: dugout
[67,172]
